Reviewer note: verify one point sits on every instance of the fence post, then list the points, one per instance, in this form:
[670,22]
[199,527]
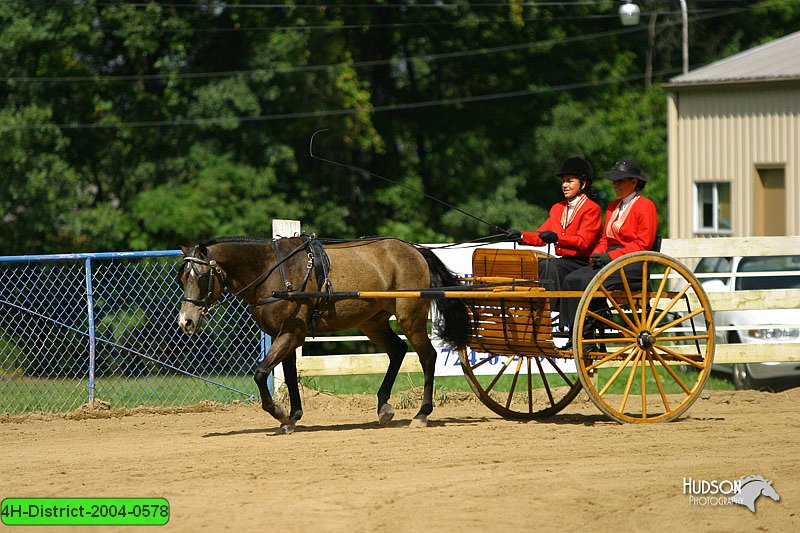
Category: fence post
[90,314]
[283,228]
[264,345]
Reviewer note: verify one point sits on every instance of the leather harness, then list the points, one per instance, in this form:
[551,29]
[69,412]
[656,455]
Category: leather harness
[318,261]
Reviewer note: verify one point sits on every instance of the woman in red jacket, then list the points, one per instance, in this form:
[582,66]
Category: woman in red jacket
[573,227]
[631,226]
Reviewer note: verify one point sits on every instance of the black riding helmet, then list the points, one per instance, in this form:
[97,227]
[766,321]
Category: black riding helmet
[577,166]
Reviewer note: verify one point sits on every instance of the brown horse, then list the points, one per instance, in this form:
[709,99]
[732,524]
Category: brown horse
[252,269]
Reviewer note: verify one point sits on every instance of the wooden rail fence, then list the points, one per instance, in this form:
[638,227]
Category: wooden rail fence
[687,251]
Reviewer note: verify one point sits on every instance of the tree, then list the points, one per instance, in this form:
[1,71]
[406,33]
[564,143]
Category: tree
[152,124]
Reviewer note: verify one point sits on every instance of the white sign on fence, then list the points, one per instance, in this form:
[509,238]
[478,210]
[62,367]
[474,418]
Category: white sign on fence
[459,259]
[448,363]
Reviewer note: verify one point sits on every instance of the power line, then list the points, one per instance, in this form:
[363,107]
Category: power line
[363,27]
[397,107]
[310,68]
[345,27]
[219,6]
[347,112]
[357,64]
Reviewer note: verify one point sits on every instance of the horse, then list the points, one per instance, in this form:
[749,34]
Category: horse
[254,269]
[751,488]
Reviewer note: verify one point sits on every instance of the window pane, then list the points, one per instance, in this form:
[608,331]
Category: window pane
[724,264]
[769,264]
[713,207]
[705,203]
[724,197]
[706,265]
[709,265]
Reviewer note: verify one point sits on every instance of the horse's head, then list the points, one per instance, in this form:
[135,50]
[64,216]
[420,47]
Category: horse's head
[202,281]
[769,491]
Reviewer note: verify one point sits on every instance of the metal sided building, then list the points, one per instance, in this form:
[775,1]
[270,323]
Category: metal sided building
[734,145]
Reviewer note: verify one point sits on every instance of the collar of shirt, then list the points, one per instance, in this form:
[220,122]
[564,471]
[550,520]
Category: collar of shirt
[627,200]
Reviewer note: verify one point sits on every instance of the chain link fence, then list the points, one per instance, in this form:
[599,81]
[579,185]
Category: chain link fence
[85,327]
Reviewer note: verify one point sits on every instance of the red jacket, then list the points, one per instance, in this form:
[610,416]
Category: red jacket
[581,234]
[636,231]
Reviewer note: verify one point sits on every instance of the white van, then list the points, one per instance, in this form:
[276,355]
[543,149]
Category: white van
[754,326]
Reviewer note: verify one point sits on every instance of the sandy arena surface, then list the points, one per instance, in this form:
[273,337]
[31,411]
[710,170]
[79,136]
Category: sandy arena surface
[225,468]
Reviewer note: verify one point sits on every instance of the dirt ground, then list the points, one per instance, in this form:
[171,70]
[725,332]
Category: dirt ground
[225,468]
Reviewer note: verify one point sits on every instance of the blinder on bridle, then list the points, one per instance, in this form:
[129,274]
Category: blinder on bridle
[205,280]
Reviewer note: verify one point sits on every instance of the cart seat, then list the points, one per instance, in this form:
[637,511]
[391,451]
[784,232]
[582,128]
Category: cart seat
[511,326]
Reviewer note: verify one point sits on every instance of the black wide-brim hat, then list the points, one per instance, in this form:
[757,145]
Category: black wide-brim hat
[627,168]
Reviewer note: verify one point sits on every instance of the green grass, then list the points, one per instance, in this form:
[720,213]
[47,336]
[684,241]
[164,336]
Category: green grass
[670,385]
[368,384]
[24,394]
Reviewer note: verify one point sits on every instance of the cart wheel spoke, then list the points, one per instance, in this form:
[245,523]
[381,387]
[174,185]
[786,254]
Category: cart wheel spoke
[499,375]
[530,388]
[679,356]
[541,392]
[605,359]
[513,383]
[672,373]
[658,295]
[657,379]
[629,383]
[644,299]
[618,308]
[545,381]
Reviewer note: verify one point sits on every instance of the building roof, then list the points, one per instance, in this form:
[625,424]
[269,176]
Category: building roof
[775,60]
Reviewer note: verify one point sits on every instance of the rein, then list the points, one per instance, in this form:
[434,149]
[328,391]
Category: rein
[502,231]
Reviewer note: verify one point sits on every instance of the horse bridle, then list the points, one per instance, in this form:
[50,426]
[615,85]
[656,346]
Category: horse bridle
[205,282]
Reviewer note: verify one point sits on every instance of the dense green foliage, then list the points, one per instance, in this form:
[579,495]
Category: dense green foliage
[145,125]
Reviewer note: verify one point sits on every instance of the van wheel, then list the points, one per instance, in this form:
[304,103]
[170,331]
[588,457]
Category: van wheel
[742,380]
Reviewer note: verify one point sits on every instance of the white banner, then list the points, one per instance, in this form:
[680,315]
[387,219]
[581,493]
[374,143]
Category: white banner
[459,260]
[448,363]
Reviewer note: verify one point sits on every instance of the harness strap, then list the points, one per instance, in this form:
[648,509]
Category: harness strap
[282,268]
[269,272]
[321,263]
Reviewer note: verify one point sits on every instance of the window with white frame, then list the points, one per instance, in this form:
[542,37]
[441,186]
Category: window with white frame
[712,208]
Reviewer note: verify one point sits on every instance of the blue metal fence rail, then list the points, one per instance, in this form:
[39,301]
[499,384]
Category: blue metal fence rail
[75,328]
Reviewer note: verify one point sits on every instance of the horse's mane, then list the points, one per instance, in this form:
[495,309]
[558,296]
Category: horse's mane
[327,240]
[265,240]
[748,479]
[222,240]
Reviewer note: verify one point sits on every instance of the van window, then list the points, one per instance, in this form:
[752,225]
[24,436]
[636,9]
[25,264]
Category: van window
[778,263]
[713,265]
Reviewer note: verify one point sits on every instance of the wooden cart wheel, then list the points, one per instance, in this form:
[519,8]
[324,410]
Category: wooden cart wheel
[520,387]
[629,342]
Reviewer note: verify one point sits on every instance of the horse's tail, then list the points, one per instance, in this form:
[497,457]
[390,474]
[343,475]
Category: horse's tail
[453,326]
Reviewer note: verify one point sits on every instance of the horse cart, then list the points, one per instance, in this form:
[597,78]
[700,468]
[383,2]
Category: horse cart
[642,352]
[642,343]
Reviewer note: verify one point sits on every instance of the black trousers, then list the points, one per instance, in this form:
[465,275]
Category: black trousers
[551,276]
[579,280]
